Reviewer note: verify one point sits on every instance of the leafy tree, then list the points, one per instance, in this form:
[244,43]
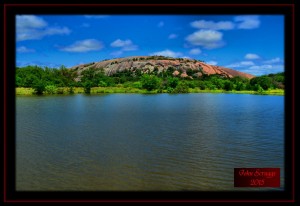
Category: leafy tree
[87,85]
[182,87]
[172,82]
[150,82]
[202,85]
[102,84]
[50,89]
[228,85]
[39,87]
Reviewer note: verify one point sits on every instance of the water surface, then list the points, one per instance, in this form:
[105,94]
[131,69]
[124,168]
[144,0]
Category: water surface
[145,142]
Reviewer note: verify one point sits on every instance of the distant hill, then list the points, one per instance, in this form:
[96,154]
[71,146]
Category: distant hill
[147,64]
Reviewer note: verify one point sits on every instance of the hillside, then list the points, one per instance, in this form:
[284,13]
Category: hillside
[182,67]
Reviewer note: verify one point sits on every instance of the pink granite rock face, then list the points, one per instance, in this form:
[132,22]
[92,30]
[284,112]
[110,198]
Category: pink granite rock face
[148,63]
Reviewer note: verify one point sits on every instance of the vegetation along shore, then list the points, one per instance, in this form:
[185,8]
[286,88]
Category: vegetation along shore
[146,75]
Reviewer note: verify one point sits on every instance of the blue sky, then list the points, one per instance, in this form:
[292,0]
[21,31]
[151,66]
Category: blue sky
[248,43]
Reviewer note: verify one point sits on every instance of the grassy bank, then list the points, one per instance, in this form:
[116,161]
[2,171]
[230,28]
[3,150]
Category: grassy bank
[109,90]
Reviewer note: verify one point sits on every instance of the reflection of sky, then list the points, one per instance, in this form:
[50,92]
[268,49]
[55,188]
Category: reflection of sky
[134,141]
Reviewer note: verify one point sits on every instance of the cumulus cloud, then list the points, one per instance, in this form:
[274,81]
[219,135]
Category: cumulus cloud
[23,49]
[247,21]
[251,56]
[209,39]
[167,53]
[195,51]
[212,62]
[272,61]
[125,45]
[84,46]
[31,27]
[241,64]
[173,36]
[264,69]
[221,25]
[186,57]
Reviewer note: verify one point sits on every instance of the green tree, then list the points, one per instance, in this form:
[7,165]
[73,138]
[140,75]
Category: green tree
[182,87]
[87,85]
[172,82]
[150,82]
[228,85]
[39,87]
[50,89]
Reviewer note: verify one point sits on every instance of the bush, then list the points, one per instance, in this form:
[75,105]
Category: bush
[137,85]
[182,87]
[102,84]
[87,87]
[71,90]
[60,90]
[202,85]
[150,82]
[172,82]
[39,87]
[170,90]
[191,84]
[228,85]
[50,89]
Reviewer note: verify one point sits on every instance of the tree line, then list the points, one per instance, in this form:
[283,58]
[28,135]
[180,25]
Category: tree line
[51,80]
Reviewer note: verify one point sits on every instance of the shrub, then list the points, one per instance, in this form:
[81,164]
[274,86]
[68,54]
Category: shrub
[87,87]
[60,90]
[102,84]
[228,85]
[51,89]
[150,82]
[39,87]
[71,90]
[137,85]
[172,82]
[202,85]
[182,87]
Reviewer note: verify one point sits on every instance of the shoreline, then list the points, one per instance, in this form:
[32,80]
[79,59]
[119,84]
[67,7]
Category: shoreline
[21,91]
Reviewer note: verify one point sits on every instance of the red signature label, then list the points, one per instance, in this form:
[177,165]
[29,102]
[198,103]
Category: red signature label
[257,177]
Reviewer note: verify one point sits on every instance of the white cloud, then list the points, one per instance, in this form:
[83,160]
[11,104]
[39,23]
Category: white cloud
[251,56]
[84,46]
[221,25]
[125,45]
[195,51]
[96,16]
[161,24]
[30,21]
[247,21]
[30,27]
[209,39]
[241,64]
[167,53]
[173,36]
[212,62]
[264,69]
[186,57]
[272,61]
[261,67]
[24,49]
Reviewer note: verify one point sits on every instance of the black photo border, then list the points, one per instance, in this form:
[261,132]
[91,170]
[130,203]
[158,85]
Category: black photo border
[10,195]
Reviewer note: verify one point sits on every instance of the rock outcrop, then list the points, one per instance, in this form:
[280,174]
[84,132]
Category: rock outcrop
[158,64]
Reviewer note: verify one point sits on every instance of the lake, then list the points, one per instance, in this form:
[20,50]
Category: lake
[135,142]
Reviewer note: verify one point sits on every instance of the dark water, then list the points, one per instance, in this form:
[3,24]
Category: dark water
[145,142]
